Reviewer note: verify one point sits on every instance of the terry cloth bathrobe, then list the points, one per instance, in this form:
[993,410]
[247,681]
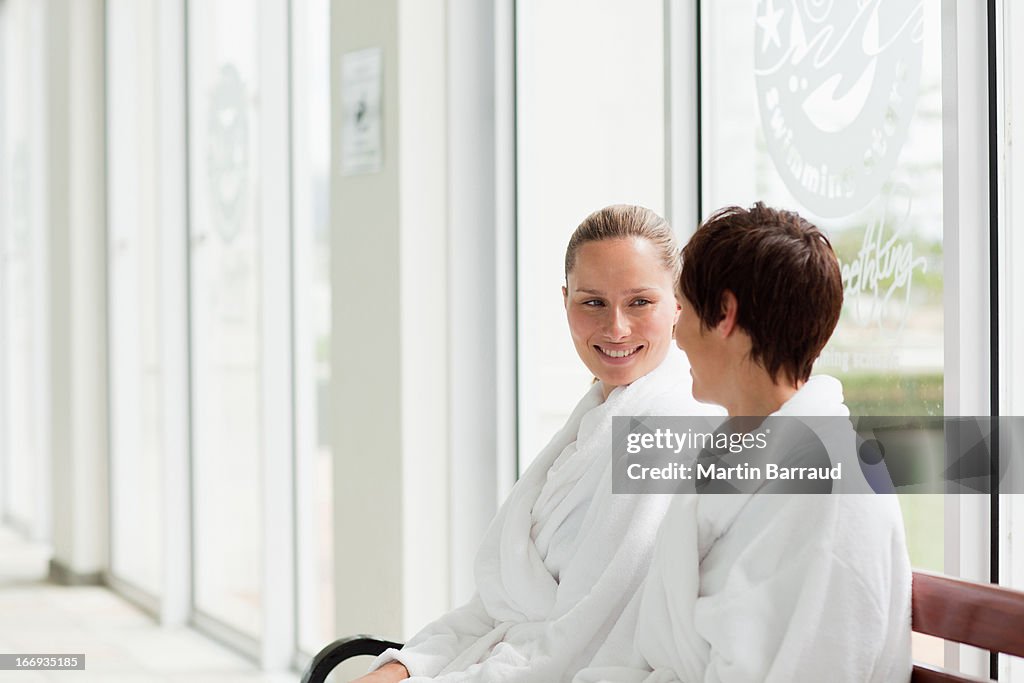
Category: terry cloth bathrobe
[563,557]
[771,587]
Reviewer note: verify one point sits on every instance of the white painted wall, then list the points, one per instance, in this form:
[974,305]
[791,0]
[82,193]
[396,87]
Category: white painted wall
[389,402]
[76,264]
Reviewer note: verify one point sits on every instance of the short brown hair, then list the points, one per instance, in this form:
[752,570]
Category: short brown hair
[625,221]
[784,275]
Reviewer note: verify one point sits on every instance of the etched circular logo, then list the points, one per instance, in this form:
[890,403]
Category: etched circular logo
[836,88]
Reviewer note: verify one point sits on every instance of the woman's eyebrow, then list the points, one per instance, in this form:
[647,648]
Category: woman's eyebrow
[635,290]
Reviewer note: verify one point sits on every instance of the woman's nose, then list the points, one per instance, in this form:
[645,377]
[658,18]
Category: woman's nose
[618,324]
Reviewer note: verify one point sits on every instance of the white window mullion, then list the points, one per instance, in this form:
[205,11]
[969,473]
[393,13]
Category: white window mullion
[278,634]
[1011,291]
[682,198]
[41,483]
[472,290]
[506,388]
[176,601]
[966,278]
[304,367]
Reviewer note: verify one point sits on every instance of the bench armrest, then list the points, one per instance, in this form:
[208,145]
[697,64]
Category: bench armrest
[340,650]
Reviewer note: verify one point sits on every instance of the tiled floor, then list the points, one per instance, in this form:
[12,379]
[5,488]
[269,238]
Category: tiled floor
[121,643]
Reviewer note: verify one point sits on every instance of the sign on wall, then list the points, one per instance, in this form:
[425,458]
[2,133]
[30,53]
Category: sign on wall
[361,76]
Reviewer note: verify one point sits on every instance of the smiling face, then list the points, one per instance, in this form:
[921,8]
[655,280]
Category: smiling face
[621,307]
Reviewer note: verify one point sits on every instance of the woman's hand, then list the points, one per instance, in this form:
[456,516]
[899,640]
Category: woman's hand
[392,672]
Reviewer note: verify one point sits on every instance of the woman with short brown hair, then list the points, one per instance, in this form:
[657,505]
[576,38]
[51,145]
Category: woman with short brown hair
[761,585]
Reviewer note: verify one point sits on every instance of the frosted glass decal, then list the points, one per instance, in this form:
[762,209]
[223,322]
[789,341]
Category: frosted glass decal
[878,279]
[837,84]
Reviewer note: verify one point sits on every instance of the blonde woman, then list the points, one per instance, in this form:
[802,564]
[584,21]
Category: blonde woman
[563,557]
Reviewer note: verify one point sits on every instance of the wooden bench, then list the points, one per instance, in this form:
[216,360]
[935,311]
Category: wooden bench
[978,614]
[985,616]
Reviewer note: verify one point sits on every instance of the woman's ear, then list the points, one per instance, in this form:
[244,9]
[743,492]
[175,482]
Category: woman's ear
[730,309]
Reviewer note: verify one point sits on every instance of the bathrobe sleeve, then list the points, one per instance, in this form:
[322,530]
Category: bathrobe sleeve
[433,648]
[807,588]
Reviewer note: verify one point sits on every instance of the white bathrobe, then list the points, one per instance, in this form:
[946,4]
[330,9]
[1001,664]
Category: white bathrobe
[563,557]
[771,587]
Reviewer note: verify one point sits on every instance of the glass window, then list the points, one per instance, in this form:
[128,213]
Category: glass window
[134,306]
[835,110]
[225,230]
[5,218]
[311,146]
[21,343]
[590,132]
[845,127]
